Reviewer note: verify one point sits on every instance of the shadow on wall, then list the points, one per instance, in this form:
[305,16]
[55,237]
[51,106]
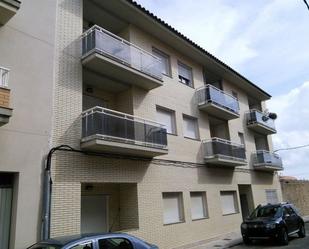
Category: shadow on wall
[215,175]
[76,167]
[262,178]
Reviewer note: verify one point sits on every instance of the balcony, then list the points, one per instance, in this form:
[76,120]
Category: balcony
[108,54]
[217,103]
[105,130]
[260,123]
[8,9]
[265,160]
[5,110]
[219,151]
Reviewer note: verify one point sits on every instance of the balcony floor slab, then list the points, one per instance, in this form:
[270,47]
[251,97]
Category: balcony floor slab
[267,167]
[121,148]
[224,161]
[105,65]
[262,129]
[218,111]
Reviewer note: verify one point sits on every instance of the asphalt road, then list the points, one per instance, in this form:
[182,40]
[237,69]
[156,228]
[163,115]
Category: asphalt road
[295,242]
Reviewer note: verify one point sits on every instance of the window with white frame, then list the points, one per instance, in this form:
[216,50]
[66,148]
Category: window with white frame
[4,77]
[271,196]
[167,118]
[198,205]
[229,202]
[241,138]
[185,74]
[172,208]
[165,61]
[190,127]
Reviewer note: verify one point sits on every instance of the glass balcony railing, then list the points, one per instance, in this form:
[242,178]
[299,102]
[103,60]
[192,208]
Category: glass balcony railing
[217,147]
[265,158]
[99,40]
[210,94]
[257,117]
[106,124]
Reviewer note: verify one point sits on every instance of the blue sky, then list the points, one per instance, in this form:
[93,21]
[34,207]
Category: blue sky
[268,42]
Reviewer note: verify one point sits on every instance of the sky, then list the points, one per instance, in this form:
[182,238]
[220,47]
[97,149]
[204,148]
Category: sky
[267,41]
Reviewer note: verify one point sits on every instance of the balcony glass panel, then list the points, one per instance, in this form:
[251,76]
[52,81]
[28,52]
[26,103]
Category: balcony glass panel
[211,94]
[262,158]
[108,44]
[255,116]
[220,147]
[120,127]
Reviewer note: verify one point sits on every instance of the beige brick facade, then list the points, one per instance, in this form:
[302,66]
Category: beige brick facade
[189,173]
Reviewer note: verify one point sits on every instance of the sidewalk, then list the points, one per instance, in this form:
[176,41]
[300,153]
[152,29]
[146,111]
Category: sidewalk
[228,240]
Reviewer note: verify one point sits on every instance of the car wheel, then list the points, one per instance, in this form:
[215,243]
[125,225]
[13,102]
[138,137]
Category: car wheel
[283,237]
[246,240]
[302,231]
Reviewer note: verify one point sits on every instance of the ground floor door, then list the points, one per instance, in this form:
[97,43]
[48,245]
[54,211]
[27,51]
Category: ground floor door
[246,200]
[6,197]
[94,213]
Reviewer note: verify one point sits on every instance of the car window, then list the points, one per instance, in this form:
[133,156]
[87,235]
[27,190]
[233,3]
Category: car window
[267,212]
[44,246]
[84,245]
[115,243]
[290,211]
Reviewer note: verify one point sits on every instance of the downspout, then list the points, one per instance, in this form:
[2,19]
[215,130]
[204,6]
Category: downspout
[47,190]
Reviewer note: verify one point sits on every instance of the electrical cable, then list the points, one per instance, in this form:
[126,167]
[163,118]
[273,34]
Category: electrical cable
[293,148]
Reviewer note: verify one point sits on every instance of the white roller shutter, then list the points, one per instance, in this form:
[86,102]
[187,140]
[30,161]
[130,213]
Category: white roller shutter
[198,209]
[172,208]
[228,202]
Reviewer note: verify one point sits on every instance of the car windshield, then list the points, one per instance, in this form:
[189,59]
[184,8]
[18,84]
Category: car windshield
[267,212]
[44,246]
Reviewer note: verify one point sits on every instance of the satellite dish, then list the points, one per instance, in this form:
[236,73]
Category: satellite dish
[272,115]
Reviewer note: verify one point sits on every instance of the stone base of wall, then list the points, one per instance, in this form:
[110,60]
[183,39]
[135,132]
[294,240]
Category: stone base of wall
[296,192]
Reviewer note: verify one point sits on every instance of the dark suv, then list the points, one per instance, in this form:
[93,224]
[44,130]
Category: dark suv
[273,221]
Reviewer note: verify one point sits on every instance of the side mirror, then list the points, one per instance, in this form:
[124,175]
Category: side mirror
[286,216]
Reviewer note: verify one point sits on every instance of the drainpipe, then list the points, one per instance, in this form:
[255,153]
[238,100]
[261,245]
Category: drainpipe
[47,190]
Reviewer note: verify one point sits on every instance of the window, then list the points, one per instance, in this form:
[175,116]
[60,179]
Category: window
[172,208]
[241,138]
[229,202]
[198,205]
[115,243]
[84,245]
[271,196]
[190,127]
[165,61]
[167,117]
[185,74]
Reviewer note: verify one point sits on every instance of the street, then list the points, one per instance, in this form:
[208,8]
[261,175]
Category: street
[295,242]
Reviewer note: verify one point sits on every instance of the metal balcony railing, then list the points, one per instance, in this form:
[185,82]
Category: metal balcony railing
[108,44]
[106,124]
[211,94]
[256,117]
[4,77]
[217,147]
[263,157]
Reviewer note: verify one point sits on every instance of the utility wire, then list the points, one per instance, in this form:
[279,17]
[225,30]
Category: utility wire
[305,1]
[293,148]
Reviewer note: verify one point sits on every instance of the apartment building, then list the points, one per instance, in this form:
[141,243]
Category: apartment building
[166,142]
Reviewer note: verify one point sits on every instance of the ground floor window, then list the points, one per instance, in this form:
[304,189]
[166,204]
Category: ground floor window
[229,202]
[198,205]
[173,207]
[271,196]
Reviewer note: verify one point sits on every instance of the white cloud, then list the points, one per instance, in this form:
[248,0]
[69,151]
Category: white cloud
[293,129]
